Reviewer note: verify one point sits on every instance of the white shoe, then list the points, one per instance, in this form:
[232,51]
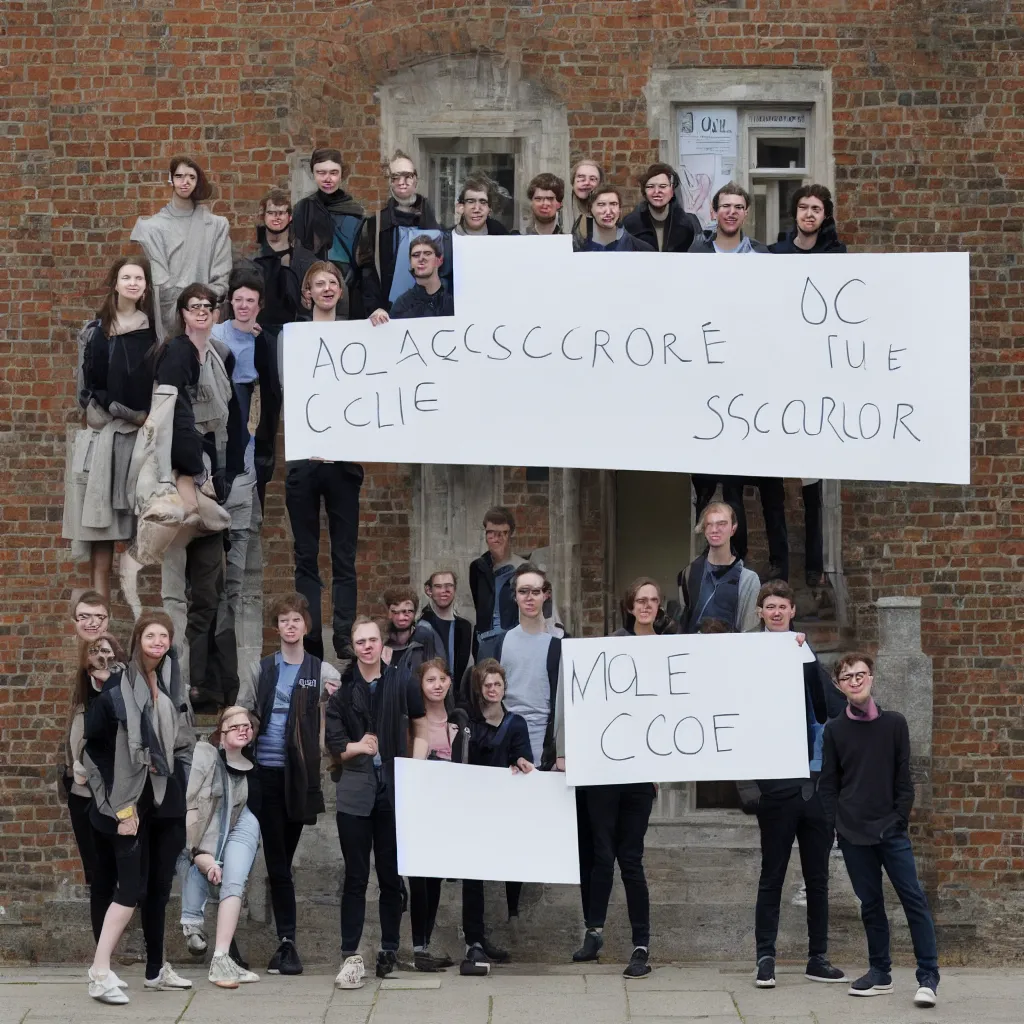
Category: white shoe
[195,939]
[117,981]
[222,971]
[351,974]
[106,988]
[925,996]
[168,980]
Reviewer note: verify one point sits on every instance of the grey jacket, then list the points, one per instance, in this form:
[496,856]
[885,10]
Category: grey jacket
[707,245]
[205,817]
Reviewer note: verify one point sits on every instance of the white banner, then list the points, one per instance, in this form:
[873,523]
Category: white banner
[464,821]
[844,367]
[684,708]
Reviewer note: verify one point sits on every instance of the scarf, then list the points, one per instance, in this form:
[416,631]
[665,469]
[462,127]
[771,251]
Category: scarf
[152,729]
[866,714]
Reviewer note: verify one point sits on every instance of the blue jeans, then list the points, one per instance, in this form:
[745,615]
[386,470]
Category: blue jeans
[864,865]
[239,853]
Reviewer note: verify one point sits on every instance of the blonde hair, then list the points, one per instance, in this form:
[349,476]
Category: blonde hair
[226,713]
[715,506]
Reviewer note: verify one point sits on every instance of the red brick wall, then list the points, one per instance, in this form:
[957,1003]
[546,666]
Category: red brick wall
[928,150]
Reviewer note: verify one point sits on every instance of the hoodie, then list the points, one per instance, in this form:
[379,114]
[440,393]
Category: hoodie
[680,227]
[827,241]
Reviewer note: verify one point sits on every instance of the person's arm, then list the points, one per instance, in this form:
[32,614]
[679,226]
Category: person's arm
[560,719]
[339,743]
[904,788]
[520,752]
[247,694]
[830,780]
[198,780]
[100,719]
[220,264]
[186,443]
[746,610]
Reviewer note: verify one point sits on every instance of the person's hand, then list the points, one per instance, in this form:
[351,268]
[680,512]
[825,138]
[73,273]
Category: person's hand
[368,744]
[559,764]
[215,874]
[522,766]
[385,655]
[255,330]
[378,317]
[331,687]
[800,638]
[128,826]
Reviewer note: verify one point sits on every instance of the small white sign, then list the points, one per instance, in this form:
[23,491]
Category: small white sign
[795,119]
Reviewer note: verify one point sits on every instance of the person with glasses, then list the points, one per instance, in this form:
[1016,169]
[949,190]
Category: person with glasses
[477,198]
[429,296]
[405,215]
[490,576]
[90,613]
[659,218]
[545,192]
[456,636]
[608,233]
[222,836]
[185,243]
[868,793]
[730,206]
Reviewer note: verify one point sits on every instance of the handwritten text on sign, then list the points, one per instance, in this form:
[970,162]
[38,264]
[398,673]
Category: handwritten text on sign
[684,708]
[844,366]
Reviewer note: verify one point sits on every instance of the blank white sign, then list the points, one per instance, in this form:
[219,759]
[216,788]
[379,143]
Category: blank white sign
[465,821]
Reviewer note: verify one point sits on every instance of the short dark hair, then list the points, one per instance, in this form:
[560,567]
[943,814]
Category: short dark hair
[241,277]
[527,569]
[396,595]
[481,670]
[604,189]
[776,588]
[196,290]
[325,155]
[277,196]
[851,658]
[817,192]
[654,170]
[548,182]
[715,626]
[478,184]
[442,572]
[93,598]
[634,588]
[288,603]
[434,243]
[499,515]
[730,188]
[203,189]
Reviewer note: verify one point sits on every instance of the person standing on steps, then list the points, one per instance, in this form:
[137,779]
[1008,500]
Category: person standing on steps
[490,577]
[456,636]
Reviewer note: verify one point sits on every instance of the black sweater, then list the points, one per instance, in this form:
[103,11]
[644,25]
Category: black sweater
[865,783]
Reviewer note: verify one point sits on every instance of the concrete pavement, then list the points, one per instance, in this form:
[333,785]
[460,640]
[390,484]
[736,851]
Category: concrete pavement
[712,994]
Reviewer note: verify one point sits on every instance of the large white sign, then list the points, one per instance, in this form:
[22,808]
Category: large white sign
[843,366]
[464,821]
[684,708]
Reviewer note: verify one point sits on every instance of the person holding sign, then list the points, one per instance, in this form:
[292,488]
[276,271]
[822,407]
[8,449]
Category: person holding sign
[716,585]
[428,296]
[659,218]
[730,206]
[790,809]
[609,235]
[498,739]
[867,792]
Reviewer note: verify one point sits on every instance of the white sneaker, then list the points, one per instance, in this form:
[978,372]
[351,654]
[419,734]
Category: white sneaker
[351,974]
[222,971]
[195,939]
[800,896]
[106,988]
[925,996]
[168,980]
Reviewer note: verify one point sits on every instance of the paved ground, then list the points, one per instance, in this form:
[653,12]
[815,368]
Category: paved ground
[538,995]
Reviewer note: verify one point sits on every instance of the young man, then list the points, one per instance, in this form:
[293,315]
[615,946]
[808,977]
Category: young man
[584,177]
[867,792]
[490,576]
[410,642]
[545,192]
[730,205]
[456,636]
[716,585]
[659,219]
[405,213]
[90,613]
[790,809]
[328,223]
[815,228]
[282,696]
[186,244]
[472,211]
[336,484]
[608,234]
[428,296]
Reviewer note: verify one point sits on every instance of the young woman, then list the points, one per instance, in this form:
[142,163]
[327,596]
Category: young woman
[498,739]
[435,736]
[643,612]
[222,836]
[136,749]
[115,388]
[98,659]
[367,728]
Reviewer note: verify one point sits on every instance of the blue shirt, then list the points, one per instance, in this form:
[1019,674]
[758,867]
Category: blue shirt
[502,576]
[243,348]
[270,747]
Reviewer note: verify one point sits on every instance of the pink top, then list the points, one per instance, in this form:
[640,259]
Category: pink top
[439,740]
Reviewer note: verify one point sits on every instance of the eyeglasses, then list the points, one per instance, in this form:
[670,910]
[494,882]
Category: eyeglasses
[645,601]
[529,591]
[200,307]
[444,586]
[91,617]
[475,202]
[276,213]
[854,677]
[496,534]
[403,176]
[736,207]
[241,727]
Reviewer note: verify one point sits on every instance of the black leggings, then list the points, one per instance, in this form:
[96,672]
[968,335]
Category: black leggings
[424,898]
[165,839]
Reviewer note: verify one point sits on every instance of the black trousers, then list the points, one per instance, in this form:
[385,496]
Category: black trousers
[618,818]
[78,811]
[473,907]
[205,573]
[337,484]
[814,558]
[585,841]
[280,838]
[164,841]
[118,876]
[424,899]
[781,821]
[358,836]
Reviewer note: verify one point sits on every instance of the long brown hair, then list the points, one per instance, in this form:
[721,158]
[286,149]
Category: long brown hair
[481,670]
[107,313]
[81,687]
[153,617]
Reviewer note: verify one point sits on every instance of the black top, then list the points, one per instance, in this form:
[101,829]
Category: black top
[827,241]
[499,746]
[865,783]
[119,369]
[178,366]
[680,227]
[417,302]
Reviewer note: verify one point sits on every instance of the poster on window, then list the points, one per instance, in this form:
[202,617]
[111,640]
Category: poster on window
[707,155]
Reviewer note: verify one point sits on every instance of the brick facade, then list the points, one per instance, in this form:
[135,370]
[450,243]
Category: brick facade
[929,154]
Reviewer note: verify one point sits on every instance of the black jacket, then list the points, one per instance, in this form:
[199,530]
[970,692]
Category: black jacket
[827,241]
[377,247]
[624,243]
[118,369]
[282,299]
[313,227]
[416,302]
[494,227]
[498,746]
[465,640]
[707,245]
[681,228]
[304,799]
[422,646]
[481,586]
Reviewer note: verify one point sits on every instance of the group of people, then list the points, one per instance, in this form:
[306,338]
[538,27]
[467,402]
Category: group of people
[180,381]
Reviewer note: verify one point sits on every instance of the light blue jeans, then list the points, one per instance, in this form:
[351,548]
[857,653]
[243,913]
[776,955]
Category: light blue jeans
[239,853]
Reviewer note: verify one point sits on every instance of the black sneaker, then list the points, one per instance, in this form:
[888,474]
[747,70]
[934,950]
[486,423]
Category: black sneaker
[235,953]
[819,969]
[476,955]
[765,972]
[638,967]
[387,959]
[285,960]
[874,983]
[423,961]
[442,959]
[495,954]
[592,943]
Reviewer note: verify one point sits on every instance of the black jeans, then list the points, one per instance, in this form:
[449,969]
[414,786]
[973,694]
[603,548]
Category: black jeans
[280,838]
[585,842]
[618,817]
[814,544]
[205,573]
[473,907]
[78,811]
[424,899]
[337,483]
[118,875]
[781,821]
[164,840]
[358,836]
[864,864]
